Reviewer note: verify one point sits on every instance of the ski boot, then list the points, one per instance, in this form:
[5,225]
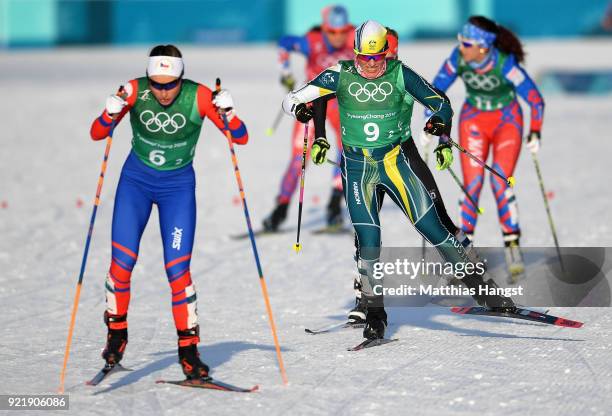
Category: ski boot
[376,323]
[276,218]
[514,258]
[189,357]
[334,210]
[357,315]
[117,338]
[489,299]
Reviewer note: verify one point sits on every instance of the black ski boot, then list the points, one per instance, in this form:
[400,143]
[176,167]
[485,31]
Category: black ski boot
[276,218]
[357,315]
[334,209]
[488,298]
[376,323]
[189,356]
[117,338]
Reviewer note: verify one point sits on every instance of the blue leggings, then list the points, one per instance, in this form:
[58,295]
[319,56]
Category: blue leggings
[174,194]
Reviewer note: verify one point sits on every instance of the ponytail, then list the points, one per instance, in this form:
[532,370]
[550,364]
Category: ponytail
[505,40]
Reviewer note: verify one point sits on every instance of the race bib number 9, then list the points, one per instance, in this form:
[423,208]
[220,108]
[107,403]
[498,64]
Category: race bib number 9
[372,131]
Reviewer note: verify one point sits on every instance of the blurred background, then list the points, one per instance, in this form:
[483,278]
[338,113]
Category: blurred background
[62,23]
[40,23]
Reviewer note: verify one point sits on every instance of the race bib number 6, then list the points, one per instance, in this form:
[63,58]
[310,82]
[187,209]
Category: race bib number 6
[157,157]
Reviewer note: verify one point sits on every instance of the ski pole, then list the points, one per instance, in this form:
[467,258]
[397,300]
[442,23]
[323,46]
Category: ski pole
[262,281]
[77,295]
[297,246]
[536,163]
[279,116]
[465,191]
[331,162]
[423,242]
[509,180]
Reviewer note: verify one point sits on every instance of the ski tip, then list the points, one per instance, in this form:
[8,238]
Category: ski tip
[460,309]
[297,247]
[511,181]
[569,323]
[269,131]
[210,384]
[370,343]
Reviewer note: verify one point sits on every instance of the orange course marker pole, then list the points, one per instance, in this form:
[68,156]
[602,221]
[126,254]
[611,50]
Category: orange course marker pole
[262,281]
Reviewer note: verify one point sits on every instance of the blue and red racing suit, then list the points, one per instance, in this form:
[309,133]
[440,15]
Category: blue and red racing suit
[491,117]
[145,182]
[319,55]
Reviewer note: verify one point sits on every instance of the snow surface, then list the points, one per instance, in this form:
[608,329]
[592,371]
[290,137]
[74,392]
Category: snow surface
[443,364]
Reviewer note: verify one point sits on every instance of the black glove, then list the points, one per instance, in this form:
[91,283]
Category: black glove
[303,113]
[288,82]
[436,126]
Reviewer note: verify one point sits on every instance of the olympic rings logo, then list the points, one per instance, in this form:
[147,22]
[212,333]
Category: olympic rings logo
[370,90]
[480,81]
[162,121]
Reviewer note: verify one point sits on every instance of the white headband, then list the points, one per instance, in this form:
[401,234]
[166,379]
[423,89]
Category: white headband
[165,65]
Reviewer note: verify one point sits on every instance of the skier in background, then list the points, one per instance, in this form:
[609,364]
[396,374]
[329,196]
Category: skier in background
[375,98]
[322,46]
[166,115]
[488,61]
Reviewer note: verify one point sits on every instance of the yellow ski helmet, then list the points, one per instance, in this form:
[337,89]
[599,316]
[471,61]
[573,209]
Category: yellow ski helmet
[370,38]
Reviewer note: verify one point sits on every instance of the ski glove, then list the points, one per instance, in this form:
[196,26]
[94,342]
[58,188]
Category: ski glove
[319,150]
[224,102]
[115,104]
[288,81]
[444,156]
[533,141]
[436,126]
[303,113]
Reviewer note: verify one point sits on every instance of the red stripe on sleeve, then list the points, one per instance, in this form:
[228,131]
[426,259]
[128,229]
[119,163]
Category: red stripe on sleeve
[101,126]
[207,109]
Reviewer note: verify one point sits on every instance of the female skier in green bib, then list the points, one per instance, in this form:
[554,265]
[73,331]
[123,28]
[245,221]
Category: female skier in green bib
[375,98]
[166,115]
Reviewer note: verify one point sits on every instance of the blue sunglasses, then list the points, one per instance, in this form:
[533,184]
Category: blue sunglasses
[167,86]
